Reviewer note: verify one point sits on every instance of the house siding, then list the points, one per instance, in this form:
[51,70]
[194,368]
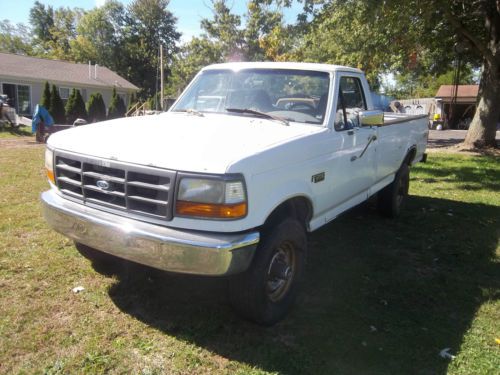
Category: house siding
[37,87]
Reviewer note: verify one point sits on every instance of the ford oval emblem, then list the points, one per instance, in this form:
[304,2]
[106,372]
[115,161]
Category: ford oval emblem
[102,184]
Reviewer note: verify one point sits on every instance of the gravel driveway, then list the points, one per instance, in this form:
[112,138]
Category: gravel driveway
[447,138]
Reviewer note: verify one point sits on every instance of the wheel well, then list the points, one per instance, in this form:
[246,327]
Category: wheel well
[299,208]
[412,152]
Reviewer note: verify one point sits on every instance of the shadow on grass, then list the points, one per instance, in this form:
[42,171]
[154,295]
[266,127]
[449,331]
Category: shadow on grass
[21,131]
[484,175]
[379,297]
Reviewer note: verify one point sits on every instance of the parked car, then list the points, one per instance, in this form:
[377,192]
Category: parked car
[229,181]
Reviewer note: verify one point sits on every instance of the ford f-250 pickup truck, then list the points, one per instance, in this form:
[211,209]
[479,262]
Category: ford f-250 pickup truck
[250,158]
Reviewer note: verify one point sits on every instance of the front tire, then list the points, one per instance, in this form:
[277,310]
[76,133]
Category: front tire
[266,291]
[392,198]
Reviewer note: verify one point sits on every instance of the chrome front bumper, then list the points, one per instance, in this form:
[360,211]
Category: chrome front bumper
[160,247]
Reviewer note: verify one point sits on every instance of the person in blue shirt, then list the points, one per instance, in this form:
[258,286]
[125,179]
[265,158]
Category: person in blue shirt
[41,118]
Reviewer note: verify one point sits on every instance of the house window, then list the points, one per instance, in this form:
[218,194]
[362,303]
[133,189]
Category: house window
[20,97]
[64,93]
[24,99]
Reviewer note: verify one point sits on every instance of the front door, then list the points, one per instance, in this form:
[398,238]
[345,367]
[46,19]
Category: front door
[353,167]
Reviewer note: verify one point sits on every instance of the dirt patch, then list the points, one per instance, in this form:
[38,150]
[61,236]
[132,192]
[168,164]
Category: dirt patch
[460,149]
[21,142]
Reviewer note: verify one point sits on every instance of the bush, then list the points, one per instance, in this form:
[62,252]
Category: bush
[56,108]
[45,102]
[96,108]
[75,107]
[116,107]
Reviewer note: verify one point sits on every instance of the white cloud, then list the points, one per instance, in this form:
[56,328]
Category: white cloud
[99,3]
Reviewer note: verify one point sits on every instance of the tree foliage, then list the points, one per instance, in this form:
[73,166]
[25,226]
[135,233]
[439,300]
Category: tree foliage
[99,36]
[42,20]
[415,39]
[149,24]
[96,108]
[15,38]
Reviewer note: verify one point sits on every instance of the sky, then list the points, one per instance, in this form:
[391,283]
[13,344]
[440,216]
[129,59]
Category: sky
[188,12]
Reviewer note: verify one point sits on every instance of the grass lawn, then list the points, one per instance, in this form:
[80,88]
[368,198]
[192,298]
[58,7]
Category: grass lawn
[379,297]
[9,132]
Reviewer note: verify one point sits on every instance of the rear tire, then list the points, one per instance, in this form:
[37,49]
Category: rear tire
[266,291]
[392,198]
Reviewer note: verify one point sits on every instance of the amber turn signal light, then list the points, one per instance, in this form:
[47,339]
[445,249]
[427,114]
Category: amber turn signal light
[218,211]
[50,176]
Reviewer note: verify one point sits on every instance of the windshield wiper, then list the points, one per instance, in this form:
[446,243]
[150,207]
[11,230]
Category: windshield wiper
[191,111]
[259,114]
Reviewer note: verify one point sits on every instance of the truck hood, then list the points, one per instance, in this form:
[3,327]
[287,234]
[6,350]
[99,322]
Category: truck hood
[179,141]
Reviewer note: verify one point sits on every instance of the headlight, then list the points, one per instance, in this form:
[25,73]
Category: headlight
[49,164]
[211,198]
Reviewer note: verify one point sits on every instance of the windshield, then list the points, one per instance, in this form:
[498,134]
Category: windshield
[292,95]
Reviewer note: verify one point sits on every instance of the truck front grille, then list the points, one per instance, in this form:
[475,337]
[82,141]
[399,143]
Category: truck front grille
[139,190]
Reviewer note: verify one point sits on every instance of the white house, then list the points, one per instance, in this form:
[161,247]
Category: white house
[22,79]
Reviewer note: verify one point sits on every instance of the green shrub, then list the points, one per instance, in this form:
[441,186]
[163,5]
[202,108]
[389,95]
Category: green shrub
[46,97]
[56,108]
[116,107]
[75,107]
[96,108]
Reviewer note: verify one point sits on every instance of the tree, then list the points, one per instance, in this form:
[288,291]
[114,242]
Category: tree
[148,24]
[56,108]
[53,30]
[224,29]
[42,20]
[99,36]
[96,108]
[15,39]
[265,32]
[116,107]
[75,107]
[45,102]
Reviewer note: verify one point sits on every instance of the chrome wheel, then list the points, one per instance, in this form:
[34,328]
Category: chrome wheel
[281,271]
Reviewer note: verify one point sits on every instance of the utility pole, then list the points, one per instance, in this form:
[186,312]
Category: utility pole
[161,77]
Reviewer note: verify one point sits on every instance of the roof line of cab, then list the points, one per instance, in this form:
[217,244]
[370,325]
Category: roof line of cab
[282,65]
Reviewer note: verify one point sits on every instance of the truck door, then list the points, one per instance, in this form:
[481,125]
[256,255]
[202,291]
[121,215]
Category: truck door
[353,167]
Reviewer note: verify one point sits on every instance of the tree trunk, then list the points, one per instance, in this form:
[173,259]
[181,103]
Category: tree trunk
[482,130]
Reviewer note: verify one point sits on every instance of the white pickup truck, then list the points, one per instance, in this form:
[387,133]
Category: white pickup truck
[250,158]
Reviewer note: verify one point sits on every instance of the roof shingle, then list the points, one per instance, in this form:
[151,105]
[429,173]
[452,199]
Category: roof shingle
[464,91]
[39,69]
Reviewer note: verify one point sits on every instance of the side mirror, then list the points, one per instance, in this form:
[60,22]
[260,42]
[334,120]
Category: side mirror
[371,118]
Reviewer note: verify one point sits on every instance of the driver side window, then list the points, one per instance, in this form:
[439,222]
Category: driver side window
[351,100]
